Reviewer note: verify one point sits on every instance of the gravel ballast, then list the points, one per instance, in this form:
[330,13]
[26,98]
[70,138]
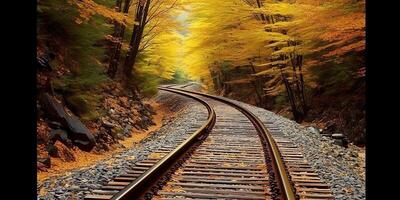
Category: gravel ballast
[342,168]
[78,183]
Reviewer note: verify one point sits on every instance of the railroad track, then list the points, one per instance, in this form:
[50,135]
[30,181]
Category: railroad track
[231,156]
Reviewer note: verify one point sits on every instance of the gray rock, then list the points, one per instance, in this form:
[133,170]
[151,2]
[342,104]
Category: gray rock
[76,129]
[108,124]
[74,187]
[93,177]
[319,152]
[55,125]
[326,135]
[47,163]
[127,130]
[52,150]
[337,136]
[61,136]
[328,159]
[313,130]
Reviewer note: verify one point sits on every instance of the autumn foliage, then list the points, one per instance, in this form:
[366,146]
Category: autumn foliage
[284,54]
[292,50]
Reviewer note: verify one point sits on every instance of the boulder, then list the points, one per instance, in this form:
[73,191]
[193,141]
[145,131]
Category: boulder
[345,143]
[41,167]
[60,135]
[64,152]
[79,134]
[326,135]
[313,130]
[338,142]
[108,124]
[104,139]
[77,131]
[54,125]
[340,139]
[329,128]
[45,161]
[52,150]
[54,110]
[337,136]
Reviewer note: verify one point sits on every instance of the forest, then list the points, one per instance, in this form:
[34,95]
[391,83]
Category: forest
[102,60]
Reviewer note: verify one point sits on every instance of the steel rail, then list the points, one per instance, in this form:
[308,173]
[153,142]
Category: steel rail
[137,188]
[282,179]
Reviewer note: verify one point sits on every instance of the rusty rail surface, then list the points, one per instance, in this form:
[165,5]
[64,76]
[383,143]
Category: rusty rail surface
[282,177]
[138,187]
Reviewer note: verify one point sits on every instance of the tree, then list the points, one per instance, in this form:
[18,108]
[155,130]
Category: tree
[88,8]
[284,41]
[119,31]
[148,16]
[140,17]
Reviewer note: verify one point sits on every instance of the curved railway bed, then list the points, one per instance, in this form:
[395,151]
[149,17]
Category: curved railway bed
[232,156]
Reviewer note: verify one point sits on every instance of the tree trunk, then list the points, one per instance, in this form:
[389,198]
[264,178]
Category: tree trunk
[256,85]
[119,32]
[296,61]
[134,44]
[296,81]
[292,102]
[220,82]
[300,63]
[214,77]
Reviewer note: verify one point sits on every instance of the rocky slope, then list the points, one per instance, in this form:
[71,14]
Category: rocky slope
[124,116]
[77,183]
[343,168]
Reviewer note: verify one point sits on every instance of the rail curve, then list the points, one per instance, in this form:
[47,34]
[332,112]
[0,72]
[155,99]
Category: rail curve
[152,175]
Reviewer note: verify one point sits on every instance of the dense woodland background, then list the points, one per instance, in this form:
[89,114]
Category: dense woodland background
[303,59]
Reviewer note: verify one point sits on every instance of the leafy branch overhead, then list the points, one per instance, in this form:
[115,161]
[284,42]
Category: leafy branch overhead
[283,51]
[88,8]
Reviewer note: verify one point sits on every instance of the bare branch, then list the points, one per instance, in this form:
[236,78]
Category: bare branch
[148,42]
[155,14]
[151,28]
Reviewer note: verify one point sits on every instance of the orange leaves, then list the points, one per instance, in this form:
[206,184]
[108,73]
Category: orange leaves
[335,27]
[346,33]
[352,21]
[88,8]
[229,31]
[345,27]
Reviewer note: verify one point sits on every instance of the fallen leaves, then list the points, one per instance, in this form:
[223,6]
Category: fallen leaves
[155,155]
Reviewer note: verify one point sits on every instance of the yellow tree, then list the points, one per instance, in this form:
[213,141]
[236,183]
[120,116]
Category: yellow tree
[280,39]
[220,31]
